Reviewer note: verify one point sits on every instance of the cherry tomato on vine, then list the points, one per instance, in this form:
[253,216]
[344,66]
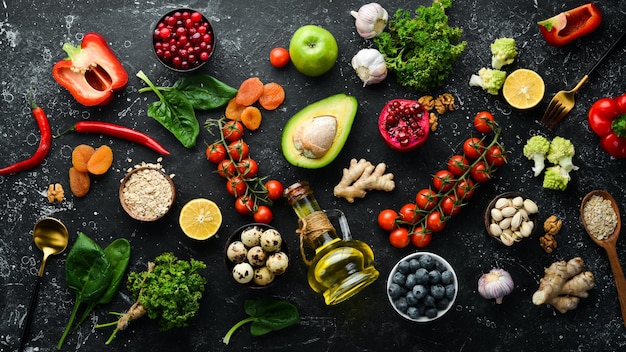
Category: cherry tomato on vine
[263,214]
[408,214]
[387,219]
[483,122]
[443,181]
[420,237]
[238,150]
[399,237]
[236,186]
[480,172]
[244,205]
[426,199]
[274,189]
[473,148]
[226,168]
[450,205]
[435,222]
[458,164]
[496,156]
[248,168]
[279,57]
[232,130]
[464,189]
[215,152]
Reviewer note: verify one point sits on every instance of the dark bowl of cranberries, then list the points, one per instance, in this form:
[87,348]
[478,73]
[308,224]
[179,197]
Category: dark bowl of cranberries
[183,40]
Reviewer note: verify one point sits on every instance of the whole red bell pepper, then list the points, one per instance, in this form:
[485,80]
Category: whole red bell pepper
[607,118]
[569,25]
[91,72]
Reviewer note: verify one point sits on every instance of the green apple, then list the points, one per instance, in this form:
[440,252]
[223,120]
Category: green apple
[313,50]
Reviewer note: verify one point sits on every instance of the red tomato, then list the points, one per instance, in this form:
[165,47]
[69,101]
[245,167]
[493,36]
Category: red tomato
[443,180]
[458,164]
[244,205]
[464,189]
[263,214]
[248,168]
[473,148]
[238,150]
[435,222]
[274,189]
[236,186]
[496,156]
[408,213]
[480,172]
[387,219]
[226,168]
[450,205]
[483,122]
[399,237]
[279,57]
[232,130]
[215,152]
[420,237]
[426,199]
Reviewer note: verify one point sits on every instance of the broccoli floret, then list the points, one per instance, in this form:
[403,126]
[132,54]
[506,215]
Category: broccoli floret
[489,80]
[555,178]
[504,51]
[561,153]
[536,149]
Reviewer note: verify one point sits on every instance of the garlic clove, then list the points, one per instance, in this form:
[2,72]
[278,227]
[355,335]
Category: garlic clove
[370,20]
[370,66]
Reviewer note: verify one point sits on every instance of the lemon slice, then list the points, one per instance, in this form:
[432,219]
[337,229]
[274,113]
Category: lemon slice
[523,89]
[200,219]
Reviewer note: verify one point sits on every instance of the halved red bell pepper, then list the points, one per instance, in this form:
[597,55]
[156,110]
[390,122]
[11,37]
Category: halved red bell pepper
[91,72]
[569,25]
[607,118]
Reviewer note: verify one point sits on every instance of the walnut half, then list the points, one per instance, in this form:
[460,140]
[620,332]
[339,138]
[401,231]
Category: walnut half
[55,193]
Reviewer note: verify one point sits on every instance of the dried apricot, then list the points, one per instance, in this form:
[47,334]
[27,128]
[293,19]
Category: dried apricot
[100,161]
[81,155]
[79,182]
[273,96]
[233,110]
[251,117]
[249,91]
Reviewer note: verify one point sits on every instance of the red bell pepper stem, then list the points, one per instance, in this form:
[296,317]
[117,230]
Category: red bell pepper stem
[44,144]
[569,25]
[118,131]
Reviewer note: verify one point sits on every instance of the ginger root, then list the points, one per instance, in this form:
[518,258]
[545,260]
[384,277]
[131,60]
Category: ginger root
[361,177]
[564,284]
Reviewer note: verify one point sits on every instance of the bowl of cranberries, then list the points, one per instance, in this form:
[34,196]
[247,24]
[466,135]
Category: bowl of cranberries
[183,40]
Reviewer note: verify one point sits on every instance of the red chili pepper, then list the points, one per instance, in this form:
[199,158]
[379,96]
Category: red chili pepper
[607,118]
[569,25]
[118,131]
[91,72]
[44,144]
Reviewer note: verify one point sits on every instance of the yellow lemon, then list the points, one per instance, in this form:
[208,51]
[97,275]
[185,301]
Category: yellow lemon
[523,89]
[200,218]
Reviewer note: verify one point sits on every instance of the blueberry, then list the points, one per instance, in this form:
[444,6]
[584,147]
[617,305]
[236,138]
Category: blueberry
[434,277]
[411,298]
[399,278]
[420,291]
[404,267]
[441,266]
[395,291]
[430,312]
[429,301]
[421,307]
[437,291]
[442,303]
[421,275]
[401,304]
[446,277]
[413,312]
[427,262]
[411,281]
[414,264]
[450,291]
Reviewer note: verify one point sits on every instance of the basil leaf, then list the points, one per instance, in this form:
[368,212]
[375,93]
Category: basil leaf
[118,255]
[176,114]
[204,92]
[87,270]
[270,315]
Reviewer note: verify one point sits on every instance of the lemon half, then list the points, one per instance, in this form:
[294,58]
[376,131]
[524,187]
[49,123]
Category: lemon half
[200,219]
[523,89]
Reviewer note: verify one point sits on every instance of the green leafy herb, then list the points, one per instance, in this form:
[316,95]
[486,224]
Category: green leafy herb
[421,49]
[266,315]
[203,91]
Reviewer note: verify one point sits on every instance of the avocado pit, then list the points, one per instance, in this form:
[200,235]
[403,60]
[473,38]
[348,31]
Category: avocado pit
[314,137]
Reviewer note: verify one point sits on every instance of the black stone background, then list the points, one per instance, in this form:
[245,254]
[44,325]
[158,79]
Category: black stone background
[31,36]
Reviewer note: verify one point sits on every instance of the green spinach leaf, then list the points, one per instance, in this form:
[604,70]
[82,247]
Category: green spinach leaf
[266,315]
[203,91]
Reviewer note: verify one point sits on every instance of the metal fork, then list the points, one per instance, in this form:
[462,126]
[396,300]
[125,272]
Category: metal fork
[563,101]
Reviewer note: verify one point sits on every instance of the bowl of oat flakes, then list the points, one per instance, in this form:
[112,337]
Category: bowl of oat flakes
[147,193]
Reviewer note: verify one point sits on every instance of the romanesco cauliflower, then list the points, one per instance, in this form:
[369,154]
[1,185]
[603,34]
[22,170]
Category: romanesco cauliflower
[504,51]
[489,80]
[555,178]
[536,149]
[561,153]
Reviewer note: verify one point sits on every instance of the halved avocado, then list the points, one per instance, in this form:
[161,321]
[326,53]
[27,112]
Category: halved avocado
[338,112]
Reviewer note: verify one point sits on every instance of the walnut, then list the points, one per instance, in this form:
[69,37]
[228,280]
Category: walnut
[55,193]
[548,243]
[427,101]
[444,102]
[433,120]
[552,225]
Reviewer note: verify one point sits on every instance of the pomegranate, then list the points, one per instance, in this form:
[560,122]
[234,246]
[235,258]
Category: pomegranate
[403,124]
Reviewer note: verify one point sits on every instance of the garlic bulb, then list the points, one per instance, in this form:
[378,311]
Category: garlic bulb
[370,20]
[370,65]
[495,284]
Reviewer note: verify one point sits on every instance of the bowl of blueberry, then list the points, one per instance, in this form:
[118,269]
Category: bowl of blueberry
[183,40]
[422,287]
